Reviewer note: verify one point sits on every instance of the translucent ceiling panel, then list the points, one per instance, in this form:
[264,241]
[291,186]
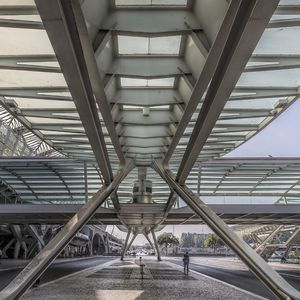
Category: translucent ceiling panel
[129,45]
[169,2]
[277,78]
[16,2]
[132,45]
[132,2]
[34,103]
[13,78]
[16,41]
[151,2]
[165,45]
[279,41]
[22,17]
[138,82]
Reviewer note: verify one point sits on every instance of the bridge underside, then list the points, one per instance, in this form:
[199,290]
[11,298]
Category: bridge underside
[151,214]
[139,95]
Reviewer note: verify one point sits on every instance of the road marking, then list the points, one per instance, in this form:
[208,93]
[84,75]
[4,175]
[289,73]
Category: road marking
[290,275]
[222,282]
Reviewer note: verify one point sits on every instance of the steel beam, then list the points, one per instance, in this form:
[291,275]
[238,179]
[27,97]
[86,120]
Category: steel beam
[148,67]
[156,245]
[281,288]
[24,63]
[143,22]
[131,241]
[152,246]
[248,26]
[42,93]
[284,23]
[146,97]
[15,10]
[205,76]
[73,10]
[41,261]
[15,23]
[273,62]
[59,22]
[126,243]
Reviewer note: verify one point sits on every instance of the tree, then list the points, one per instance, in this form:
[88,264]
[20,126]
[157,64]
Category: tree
[213,241]
[166,240]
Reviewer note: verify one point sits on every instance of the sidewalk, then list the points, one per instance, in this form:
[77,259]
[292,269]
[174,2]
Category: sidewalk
[122,280]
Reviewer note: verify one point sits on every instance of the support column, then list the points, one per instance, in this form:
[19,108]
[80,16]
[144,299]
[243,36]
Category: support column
[153,247]
[4,250]
[17,232]
[156,245]
[281,288]
[41,261]
[126,243]
[132,240]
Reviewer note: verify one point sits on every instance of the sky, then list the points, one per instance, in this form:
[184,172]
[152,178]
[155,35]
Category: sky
[281,138]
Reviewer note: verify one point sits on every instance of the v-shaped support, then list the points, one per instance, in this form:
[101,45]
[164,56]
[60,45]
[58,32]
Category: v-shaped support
[281,288]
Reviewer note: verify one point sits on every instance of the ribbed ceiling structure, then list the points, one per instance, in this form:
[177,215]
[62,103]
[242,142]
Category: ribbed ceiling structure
[177,81]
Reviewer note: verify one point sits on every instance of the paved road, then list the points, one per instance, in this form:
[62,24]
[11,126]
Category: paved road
[242,278]
[56,270]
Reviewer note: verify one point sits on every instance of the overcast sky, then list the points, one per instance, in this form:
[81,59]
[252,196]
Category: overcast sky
[279,139]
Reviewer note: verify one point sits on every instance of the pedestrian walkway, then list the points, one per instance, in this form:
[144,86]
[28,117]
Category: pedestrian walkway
[122,280]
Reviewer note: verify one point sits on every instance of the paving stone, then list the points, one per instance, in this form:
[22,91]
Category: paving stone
[122,281]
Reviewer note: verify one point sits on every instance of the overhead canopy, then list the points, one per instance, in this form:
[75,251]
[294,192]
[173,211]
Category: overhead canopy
[145,60]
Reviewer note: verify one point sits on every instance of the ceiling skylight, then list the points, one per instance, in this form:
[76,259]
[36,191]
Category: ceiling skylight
[146,46]
[151,2]
[138,82]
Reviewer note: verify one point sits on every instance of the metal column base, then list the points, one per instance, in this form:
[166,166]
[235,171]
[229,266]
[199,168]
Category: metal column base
[281,288]
[42,260]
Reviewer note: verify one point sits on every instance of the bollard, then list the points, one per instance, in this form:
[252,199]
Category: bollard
[142,270]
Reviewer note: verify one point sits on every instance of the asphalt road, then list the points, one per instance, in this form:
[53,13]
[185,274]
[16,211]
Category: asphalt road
[244,279]
[57,270]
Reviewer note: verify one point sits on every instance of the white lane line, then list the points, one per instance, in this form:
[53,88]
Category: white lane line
[222,282]
[290,275]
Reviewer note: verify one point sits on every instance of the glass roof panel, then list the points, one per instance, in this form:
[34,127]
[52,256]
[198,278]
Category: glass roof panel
[132,44]
[279,41]
[138,82]
[17,41]
[13,78]
[141,45]
[150,2]
[17,2]
[22,17]
[165,45]
[275,78]
[34,103]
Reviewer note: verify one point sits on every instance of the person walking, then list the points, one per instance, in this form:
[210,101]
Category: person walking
[186,262]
